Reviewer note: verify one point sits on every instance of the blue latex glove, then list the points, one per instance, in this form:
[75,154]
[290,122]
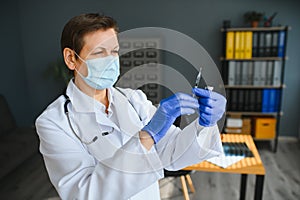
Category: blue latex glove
[211,106]
[167,112]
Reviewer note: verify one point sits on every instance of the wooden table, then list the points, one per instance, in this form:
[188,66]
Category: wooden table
[248,165]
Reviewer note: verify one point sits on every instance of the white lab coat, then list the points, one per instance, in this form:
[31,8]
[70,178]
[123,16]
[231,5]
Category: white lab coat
[116,166]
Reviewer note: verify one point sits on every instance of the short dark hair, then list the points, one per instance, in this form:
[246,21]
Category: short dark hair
[75,30]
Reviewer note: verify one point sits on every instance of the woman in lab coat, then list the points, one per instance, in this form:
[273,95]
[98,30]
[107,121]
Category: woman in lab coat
[101,142]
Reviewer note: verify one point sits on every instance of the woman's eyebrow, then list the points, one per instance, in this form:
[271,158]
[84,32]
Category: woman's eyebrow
[104,48]
[99,48]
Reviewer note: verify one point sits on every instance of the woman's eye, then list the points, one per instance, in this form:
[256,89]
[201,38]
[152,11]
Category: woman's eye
[98,52]
[115,52]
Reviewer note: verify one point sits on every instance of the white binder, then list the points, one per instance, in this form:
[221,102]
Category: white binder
[231,73]
[277,73]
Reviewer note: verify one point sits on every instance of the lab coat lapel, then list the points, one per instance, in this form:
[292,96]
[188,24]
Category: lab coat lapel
[102,120]
[84,104]
[128,118]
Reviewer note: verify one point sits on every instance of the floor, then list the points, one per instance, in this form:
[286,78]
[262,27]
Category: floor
[282,181]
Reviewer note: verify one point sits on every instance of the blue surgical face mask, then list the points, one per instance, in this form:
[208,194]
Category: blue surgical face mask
[102,72]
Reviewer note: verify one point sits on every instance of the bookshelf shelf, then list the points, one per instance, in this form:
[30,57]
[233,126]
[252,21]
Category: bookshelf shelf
[252,87]
[277,28]
[252,113]
[253,63]
[255,59]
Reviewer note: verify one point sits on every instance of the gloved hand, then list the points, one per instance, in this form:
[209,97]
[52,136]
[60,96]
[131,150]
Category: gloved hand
[211,106]
[167,112]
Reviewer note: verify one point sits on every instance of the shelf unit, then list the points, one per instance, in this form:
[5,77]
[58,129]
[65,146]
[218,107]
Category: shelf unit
[262,55]
[140,58]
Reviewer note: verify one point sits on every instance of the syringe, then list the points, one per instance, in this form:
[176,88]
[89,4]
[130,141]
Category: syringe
[198,80]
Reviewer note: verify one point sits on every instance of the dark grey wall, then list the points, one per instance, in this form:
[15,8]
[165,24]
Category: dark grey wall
[13,81]
[37,26]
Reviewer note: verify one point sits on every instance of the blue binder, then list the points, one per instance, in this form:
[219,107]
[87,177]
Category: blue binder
[265,100]
[281,46]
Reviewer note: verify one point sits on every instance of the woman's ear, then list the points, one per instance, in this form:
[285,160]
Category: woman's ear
[69,58]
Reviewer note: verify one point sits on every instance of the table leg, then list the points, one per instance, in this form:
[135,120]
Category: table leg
[243,186]
[259,186]
[184,188]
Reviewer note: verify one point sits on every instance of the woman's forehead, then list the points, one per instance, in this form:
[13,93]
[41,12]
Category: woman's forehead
[101,39]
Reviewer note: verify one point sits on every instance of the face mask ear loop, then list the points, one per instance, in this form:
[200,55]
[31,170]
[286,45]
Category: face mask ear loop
[79,56]
[82,61]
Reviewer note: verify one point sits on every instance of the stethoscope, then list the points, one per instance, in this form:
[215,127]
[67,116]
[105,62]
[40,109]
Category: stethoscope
[66,110]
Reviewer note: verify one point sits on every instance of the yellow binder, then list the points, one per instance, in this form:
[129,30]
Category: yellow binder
[242,45]
[248,44]
[230,45]
[237,45]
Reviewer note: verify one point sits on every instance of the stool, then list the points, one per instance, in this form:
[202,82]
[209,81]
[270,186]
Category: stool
[184,175]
